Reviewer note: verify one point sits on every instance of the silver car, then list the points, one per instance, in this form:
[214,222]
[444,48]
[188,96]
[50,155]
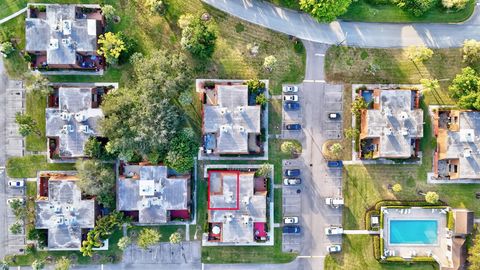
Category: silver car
[290,89]
[290,220]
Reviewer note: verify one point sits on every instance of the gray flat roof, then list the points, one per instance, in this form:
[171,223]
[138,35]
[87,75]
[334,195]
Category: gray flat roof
[237,225]
[396,123]
[74,102]
[64,214]
[232,119]
[467,151]
[169,193]
[61,35]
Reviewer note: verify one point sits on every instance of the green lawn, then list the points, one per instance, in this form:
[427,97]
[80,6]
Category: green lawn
[277,204]
[36,104]
[357,253]
[229,254]
[27,166]
[357,65]
[363,11]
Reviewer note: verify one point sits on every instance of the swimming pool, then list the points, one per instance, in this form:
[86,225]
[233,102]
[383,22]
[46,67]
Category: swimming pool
[413,232]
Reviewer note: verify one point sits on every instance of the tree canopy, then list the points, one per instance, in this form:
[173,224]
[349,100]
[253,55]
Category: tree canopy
[474,254]
[465,88]
[181,152]
[416,7]
[325,10]
[471,51]
[110,46]
[198,36]
[148,237]
[96,179]
[419,54]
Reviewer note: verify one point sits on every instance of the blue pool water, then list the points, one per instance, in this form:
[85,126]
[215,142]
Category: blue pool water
[413,231]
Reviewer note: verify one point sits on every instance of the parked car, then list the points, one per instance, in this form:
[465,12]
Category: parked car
[16,183]
[290,220]
[290,97]
[334,202]
[335,164]
[11,200]
[290,89]
[334,248]
[333,230]
[291,106]
[292,172]
[291,229]
[334,116]
[293,126]
[292,181]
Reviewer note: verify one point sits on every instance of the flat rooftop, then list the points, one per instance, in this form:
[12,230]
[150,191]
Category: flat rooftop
[74,121]
[237,214]
[63,213]
[61,34]
[232,119]
[395,122]
[463,145]
[149,190]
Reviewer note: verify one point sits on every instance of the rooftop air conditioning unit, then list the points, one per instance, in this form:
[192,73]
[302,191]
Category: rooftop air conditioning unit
[80,117]
[65,116]
[85,129]
[67,128]
[53,44]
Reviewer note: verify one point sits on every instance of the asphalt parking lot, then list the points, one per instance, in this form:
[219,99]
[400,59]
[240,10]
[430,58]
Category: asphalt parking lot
[317,101]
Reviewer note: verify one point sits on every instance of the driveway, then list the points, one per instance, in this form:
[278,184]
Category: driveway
[375,35]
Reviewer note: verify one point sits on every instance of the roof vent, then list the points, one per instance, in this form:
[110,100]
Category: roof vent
[65,116]
[80,117]
[224,129]
[241,109]
[404,131]
[67,27]
[53,44]
[67,129]
[467,153]
[85,129]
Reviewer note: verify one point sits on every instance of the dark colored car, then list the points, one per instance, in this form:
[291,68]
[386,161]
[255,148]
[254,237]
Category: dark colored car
[291,229]
[291,106]
[293,126]
[292,172]
[335,164]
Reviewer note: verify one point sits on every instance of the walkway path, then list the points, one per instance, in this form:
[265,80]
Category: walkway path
[8,18]
[383,35]
[360,232]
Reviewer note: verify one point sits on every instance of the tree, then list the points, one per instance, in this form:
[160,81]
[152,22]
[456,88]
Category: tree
[96,149]
[183,149]
[397,188]
[261,99]
[416,7]
[26,124]
[471,51]
[6,48]
[431,197]
[108,12]
[175,238]
[474,254]
[110,46]
[351,133]
[124,242]
[336,149]
[148,237]
[16,228]
[18,208]
[63,263]
[265,170]
[465,83]
[430,85]
[185,98]
[96,179]
[325,10]
[35,82]
[456,4]
[291,147]
[104,227]
[38,264]
[358,105]
[418,54]
[156,6]
[269,63]
[198,36]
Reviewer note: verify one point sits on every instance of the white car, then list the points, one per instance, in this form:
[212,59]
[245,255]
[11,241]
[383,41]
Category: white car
[290,220]
[11,200]
[290,97]
[334,202]
[292,181]
[16,183]
[290,89]
[334,248]
[333,230]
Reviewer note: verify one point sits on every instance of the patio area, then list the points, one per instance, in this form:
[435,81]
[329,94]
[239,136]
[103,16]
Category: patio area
[437,246]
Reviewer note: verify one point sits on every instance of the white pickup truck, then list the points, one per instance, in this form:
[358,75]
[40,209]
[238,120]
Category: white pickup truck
[334,202]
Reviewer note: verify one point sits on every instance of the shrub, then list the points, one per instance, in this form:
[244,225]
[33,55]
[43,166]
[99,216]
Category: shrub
[156,6]
[110,46]
[261,99]
[416,7]
[124,242]
[419,54]
[325,10]
[358,105]
[376,247]
[397,188]
[108,12]
[6,48]
[269,63]
[471,51]
[456,4]
[198,36]
[16,228]
[450,220]
[291,147]
[148,237]
[431,197]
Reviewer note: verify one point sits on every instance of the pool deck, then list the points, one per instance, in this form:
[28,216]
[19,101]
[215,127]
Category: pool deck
[438,251]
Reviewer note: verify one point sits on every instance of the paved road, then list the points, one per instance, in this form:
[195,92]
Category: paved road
[383,35]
